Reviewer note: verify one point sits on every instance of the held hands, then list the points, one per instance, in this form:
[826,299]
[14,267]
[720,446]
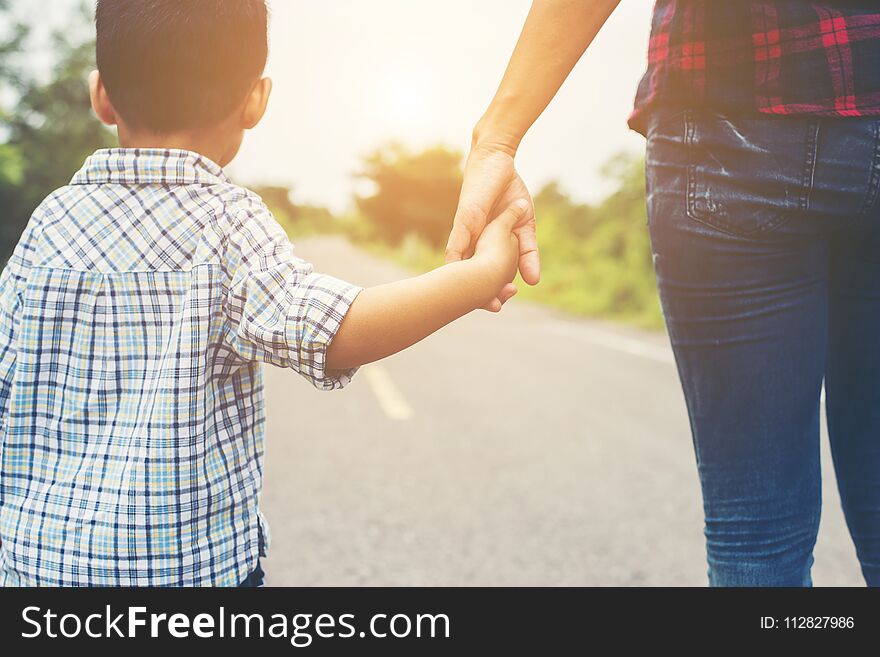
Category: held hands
[388,318]
[492,184]
[497,252]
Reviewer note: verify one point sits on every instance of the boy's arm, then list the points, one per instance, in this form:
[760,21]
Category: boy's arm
[389,318]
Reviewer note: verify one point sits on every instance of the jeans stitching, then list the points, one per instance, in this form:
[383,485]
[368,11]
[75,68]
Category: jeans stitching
[874,181]
[809,178]
[779,217]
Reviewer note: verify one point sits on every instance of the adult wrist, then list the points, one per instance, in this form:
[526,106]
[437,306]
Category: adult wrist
[491,135]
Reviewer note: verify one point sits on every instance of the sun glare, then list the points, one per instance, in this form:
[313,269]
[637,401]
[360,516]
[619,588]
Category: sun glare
[402,104]
[404,101]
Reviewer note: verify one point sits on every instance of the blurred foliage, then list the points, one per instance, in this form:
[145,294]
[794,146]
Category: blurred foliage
[596,260]
[46,127]
[416,193]
[297,219]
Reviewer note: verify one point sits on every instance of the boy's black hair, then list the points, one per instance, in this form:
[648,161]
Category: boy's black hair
[179,64]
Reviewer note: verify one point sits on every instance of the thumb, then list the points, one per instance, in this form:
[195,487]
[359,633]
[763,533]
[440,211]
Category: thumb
[512,215]
[459,243]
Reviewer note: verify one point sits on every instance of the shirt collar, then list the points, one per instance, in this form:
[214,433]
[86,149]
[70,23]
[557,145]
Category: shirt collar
[145,166]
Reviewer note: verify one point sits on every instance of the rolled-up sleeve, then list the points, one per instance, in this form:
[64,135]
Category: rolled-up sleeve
[278,310]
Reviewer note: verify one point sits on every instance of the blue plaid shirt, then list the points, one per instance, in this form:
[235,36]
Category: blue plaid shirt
[134,318]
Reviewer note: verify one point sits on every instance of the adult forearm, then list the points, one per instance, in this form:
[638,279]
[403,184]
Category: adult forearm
[387,319]
[556,34]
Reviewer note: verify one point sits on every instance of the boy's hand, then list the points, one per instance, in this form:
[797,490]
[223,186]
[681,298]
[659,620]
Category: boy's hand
[388,318]
[497,251]
[491,181]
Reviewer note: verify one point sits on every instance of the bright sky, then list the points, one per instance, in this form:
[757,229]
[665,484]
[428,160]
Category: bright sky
[350,75]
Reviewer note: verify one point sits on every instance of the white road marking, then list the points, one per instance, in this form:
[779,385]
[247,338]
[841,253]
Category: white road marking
[624,344]
[387,393]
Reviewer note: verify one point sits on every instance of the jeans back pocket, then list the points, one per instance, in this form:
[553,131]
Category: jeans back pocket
[748,176]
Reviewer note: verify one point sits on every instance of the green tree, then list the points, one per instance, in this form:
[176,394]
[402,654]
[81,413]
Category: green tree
[596,260]
[296,218]
[11,44]
[416,193]
[48,128]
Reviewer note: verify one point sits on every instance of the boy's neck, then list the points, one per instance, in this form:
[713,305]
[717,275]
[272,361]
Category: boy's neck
[217,145]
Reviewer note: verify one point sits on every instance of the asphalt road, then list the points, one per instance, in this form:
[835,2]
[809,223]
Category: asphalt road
[522,449]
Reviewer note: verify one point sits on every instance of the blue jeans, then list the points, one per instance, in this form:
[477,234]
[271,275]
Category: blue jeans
[766,242]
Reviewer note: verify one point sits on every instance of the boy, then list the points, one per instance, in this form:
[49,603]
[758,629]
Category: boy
[140,302]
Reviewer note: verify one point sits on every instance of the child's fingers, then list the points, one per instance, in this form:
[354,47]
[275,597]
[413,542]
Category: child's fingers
[512,215]
[507,293]
[503,297]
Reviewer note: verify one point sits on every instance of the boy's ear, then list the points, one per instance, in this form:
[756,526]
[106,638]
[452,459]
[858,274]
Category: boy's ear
[255,106]
[100,100]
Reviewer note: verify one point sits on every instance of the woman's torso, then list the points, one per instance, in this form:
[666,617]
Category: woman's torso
[783,57]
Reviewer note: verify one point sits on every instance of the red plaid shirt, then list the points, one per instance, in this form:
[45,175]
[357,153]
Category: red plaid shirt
[770,57]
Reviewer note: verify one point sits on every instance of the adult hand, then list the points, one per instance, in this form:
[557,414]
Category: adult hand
[491,184]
